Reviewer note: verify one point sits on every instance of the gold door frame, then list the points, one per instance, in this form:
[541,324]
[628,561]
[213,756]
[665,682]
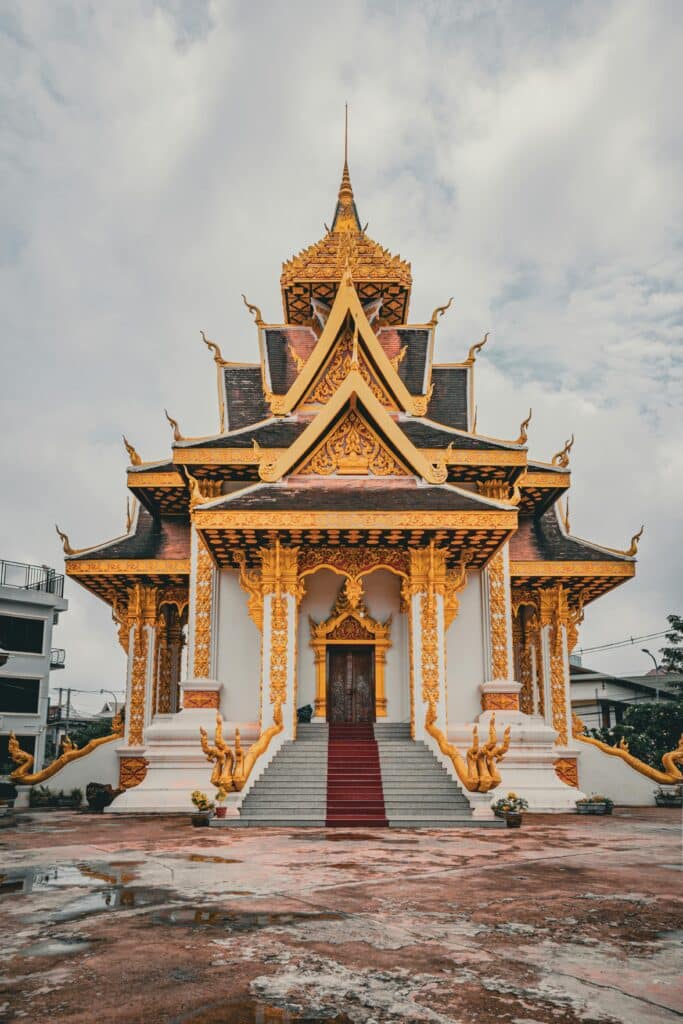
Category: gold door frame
[350,624]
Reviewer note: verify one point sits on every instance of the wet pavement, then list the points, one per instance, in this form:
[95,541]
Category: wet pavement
[133,919]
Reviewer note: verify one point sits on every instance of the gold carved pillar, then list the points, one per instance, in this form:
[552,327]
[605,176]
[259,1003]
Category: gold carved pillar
[203,587]
[137,633]
[320,660]
[500,692]
[281,592]
[423,592]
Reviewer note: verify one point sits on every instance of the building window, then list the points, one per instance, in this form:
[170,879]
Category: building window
[19,696]
[7,765]
[22,635]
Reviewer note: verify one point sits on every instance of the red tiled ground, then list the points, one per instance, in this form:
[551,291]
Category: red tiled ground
[147,920]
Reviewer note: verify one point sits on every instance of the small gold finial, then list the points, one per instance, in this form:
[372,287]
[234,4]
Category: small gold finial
[399,357]
[213,347]
[255,445]
[254,310]
[68,550]
[477,348]
[565,517]
[177,436]
[296,358]
[561,458]
[523,435]
[439,311]
[197,496]
[633,546]
[135,459]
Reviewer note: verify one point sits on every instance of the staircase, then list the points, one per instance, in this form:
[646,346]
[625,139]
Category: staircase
[418,791]
[293,788]
[370,776]
[354,780]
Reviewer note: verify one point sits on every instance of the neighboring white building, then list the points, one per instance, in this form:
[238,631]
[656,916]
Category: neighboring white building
[31,598]
[600,699]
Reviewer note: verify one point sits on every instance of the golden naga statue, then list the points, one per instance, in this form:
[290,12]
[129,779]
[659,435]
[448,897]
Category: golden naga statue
[231,770]
[478,773]
[23,776]
[670,761]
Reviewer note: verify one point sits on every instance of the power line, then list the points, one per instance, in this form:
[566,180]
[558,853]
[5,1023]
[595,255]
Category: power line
[624,643]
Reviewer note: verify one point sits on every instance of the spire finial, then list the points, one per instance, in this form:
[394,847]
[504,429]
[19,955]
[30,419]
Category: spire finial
[346,217]
[346,134]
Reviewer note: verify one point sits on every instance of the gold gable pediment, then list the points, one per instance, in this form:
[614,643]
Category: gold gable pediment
[353,448]
[345,357]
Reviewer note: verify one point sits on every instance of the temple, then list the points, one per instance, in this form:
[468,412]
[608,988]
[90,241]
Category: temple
[348,541]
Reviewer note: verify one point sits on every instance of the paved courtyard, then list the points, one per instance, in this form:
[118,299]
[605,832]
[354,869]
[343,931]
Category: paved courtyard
[146,919]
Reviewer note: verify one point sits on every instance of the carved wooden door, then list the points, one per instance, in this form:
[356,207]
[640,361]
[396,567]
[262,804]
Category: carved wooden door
[350,684]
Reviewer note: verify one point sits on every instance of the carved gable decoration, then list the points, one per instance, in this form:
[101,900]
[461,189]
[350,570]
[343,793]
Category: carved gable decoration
[353,448]
[345,357]
[350,620]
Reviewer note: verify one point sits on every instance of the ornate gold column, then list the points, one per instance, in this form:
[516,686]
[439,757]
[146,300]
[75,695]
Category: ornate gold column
[139,622]
[281,592]
[559,619]
[500,692]
[423,592]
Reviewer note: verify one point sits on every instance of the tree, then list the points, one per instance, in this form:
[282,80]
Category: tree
[672,656]
[652,730]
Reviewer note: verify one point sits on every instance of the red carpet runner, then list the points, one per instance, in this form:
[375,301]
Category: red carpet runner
[354,780]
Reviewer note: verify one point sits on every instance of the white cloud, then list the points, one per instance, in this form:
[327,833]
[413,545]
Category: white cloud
[158,160]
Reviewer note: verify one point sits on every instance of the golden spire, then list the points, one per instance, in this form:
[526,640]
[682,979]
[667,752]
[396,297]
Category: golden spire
[346,215]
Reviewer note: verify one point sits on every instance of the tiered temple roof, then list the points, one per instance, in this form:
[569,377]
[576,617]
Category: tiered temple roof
[346,432]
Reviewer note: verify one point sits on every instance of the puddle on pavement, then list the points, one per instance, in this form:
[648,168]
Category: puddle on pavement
[57,947]
[238,920]
[115,894]
[205,858]
[251,1011]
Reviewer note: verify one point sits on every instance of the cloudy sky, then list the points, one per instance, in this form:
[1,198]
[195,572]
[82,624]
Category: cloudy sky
[158,159]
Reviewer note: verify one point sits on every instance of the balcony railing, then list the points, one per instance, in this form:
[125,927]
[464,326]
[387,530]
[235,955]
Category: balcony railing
[31,577]
[57,657]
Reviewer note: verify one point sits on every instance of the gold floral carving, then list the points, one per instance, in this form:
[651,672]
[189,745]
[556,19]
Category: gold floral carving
[567,770]
[497,490]
[500,702]
[200,699]
[555,613]
[132,771]
[353,448]
[353,562]
[251,583]
[202,613]
[23,775]
[498,617]
[670,761]
[279,640]
[345,358]
[142,614]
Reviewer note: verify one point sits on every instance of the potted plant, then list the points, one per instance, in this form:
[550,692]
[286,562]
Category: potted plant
[669,797]
[221,797]
[204,807]
[304,714]
[100,796]
[511,808]
[594,804]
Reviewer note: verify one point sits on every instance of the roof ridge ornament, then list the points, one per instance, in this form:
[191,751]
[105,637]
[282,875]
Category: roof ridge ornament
[474,349]
[254,310]
[177,436]
[632,549]
[135,459]
[439,312]
[213,347]
[561,458]
[66,545]
[523,435]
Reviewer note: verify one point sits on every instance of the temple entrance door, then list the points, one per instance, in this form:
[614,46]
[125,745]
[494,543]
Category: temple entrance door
[351,684]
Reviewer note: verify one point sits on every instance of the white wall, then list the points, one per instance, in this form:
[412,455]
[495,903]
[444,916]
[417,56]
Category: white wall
[238,652]
[465,655]
[382,598]
[610,776]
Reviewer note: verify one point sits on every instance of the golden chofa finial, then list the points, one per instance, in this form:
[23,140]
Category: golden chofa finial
[471,355]
[68,550]
[439,311]
[254,310]
[562,458]
[523,427]
[213,347]
[633,546]
[177,436]
[135,459]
